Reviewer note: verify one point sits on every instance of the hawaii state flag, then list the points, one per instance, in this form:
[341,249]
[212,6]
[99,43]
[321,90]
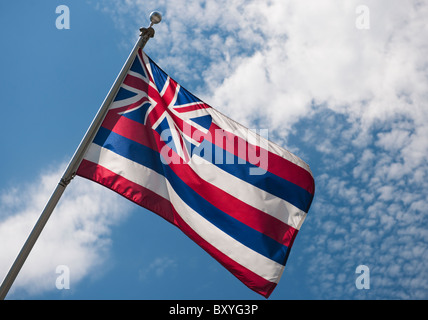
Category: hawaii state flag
[237,195]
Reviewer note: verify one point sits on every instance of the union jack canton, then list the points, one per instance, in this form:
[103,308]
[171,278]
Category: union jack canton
[148,95]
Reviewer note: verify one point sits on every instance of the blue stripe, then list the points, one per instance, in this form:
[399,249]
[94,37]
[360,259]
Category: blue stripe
[147,157]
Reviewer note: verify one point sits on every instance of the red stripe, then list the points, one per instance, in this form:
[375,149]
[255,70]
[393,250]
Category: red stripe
[274,164]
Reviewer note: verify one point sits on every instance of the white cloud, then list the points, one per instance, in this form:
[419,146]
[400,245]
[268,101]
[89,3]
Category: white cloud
[76,235]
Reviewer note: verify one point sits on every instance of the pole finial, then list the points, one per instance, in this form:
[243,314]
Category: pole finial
[155,18]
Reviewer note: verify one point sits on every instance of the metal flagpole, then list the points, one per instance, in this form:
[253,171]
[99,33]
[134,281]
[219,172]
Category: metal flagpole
[70,172]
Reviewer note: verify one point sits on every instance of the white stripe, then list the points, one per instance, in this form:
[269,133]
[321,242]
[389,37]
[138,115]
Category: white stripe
[128,169]
[248,258]
[255,197]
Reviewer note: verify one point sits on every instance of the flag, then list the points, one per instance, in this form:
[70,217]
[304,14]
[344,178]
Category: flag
[233,192]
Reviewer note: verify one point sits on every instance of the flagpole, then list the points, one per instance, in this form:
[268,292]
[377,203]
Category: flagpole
[70,171]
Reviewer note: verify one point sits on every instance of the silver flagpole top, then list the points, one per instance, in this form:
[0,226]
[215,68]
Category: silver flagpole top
[147,33]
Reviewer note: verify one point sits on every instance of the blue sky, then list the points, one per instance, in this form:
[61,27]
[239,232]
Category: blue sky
[342,86]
